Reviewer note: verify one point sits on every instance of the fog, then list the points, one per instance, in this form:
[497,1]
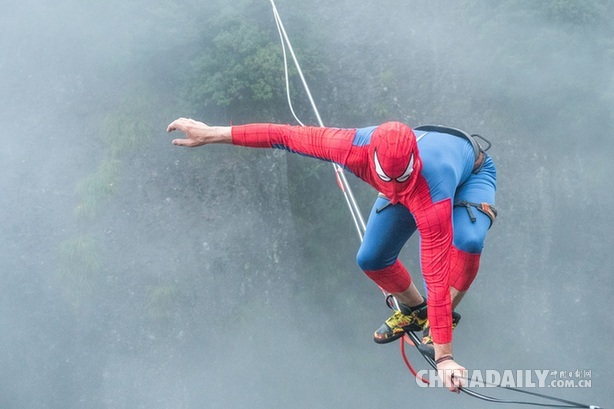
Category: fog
[138,274]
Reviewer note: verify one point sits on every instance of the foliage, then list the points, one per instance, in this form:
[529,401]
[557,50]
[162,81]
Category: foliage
[121,132]
[97,187]
[161,299]
[240,71]
[80,264]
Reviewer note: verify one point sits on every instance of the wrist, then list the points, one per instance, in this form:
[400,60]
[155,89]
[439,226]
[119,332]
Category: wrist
[442,350]
[222,134]
[444,358]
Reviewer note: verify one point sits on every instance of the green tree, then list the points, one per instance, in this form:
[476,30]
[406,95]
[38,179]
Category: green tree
[239,73]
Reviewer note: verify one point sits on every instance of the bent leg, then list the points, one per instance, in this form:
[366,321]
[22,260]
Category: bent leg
[469,235]
[388,229]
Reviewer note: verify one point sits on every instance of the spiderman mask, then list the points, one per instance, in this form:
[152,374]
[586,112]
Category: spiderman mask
[394,159]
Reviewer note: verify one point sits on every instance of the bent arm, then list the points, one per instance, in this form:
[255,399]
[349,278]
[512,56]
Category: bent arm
[435,226]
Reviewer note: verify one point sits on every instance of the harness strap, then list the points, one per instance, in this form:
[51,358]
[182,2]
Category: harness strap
[488,209]
[478,151]
[479,162]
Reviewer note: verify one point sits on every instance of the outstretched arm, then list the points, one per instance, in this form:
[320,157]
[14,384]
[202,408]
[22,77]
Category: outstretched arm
[330,144]
[198,133]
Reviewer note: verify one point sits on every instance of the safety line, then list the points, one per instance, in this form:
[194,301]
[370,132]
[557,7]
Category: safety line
[355,212]
[413,338]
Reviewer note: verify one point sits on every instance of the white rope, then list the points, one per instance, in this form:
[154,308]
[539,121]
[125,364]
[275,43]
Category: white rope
[340,174]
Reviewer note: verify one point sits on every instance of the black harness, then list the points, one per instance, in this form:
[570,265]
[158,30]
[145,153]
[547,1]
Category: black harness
[480,155]
[488,209]
[474,139]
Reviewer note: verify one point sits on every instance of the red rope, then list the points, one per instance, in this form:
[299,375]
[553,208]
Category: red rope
[406,360]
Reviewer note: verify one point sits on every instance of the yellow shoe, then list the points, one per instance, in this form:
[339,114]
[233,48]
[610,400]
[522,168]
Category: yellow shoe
[426,332]
[400,322]
[426,347]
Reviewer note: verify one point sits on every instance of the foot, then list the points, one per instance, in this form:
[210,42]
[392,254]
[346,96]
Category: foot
[400,322]
[427,342]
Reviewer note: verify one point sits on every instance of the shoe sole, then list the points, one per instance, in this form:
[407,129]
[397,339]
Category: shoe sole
[394,337]
[387,340]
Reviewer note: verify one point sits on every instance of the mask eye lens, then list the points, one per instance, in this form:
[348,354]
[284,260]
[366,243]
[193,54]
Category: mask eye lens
[379,170]
[408,171]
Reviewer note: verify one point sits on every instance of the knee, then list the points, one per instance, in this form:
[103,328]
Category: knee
[469,242]
[370,259]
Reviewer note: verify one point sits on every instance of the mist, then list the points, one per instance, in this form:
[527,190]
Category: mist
[138,274]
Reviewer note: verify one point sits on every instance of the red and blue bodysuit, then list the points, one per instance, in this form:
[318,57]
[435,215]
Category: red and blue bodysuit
[420,176]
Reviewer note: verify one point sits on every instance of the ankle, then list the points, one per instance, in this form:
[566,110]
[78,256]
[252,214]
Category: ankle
[407,310]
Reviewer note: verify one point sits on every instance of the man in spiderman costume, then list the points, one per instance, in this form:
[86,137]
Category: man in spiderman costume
[429,179]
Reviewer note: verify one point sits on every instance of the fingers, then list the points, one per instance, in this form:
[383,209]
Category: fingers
[450,381]
[181,142]
[454,377]
[196,133]
[182,124]
[457,381]
[185,142]
[179,123]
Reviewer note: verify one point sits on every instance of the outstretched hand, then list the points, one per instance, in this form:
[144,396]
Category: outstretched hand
[198,133]
[453,375]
